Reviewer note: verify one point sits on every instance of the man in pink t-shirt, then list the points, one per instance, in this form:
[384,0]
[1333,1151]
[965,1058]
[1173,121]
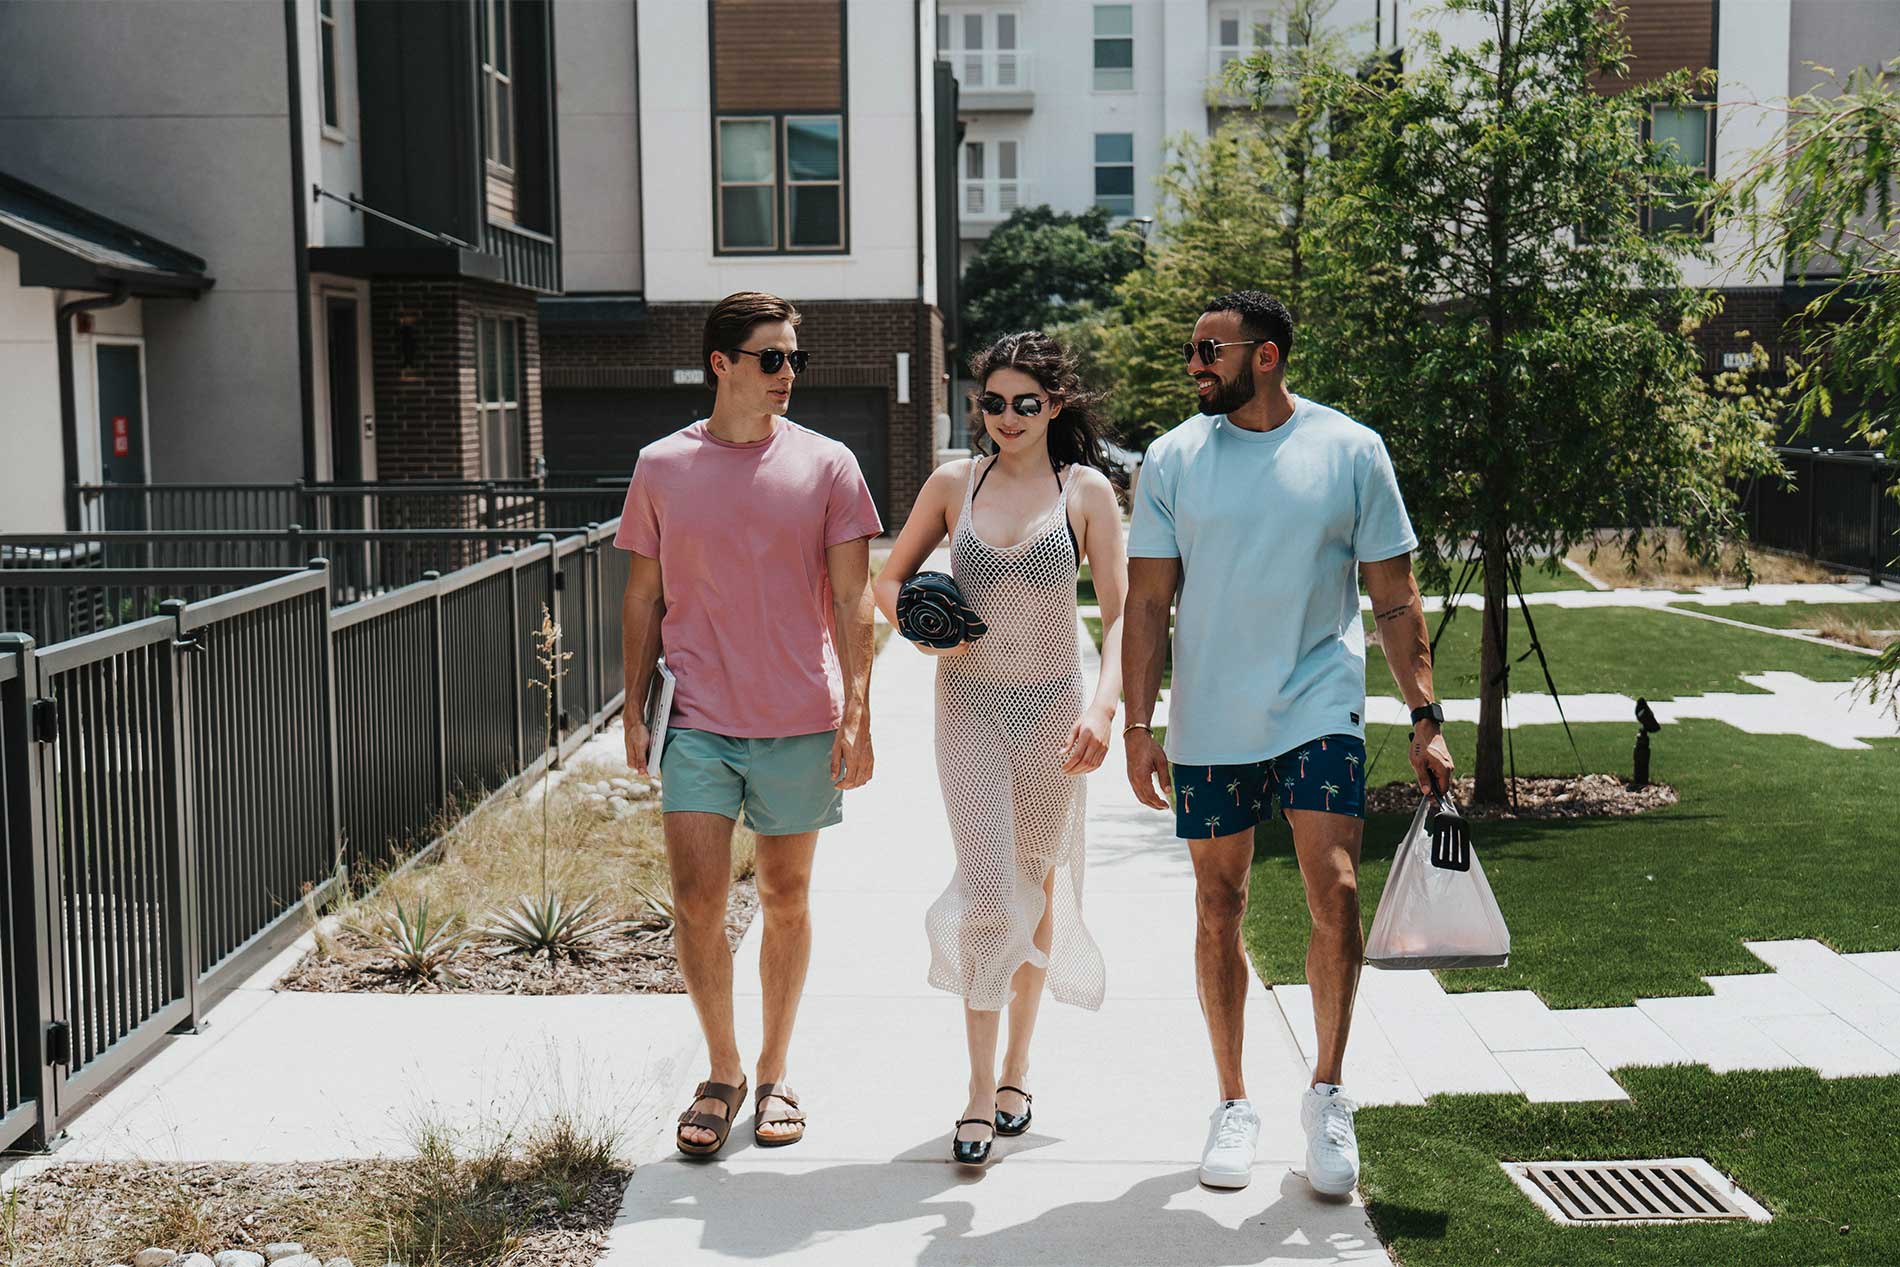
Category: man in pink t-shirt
[751,561]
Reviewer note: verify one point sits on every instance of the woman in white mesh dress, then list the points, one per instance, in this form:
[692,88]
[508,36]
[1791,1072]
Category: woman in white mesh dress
[1016,732]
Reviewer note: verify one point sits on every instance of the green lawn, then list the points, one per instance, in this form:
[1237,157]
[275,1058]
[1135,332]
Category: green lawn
[1819,1155]
[1773,838]
[1804,615]
[1627,650]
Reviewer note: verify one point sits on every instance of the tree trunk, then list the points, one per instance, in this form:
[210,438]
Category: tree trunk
[1489,760]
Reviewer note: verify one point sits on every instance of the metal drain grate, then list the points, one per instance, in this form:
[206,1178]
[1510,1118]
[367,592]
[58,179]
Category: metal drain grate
[1670,1190]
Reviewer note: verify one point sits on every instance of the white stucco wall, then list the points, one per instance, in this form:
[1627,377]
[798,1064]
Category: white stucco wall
[31,475]
[597,98]
[1752,67]
[881,155]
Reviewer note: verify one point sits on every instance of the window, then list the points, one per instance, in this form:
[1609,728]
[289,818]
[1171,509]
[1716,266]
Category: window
[982,48]
[1115,172]
[1683,133]
[498,396]
[326,45]
[498,88]
[1114,47]
[781,181]
[992,187]
[1240,33]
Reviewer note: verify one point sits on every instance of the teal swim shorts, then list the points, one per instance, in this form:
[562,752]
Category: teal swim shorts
[783,785]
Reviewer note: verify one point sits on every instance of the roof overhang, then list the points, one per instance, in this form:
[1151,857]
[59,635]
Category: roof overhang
[64,246]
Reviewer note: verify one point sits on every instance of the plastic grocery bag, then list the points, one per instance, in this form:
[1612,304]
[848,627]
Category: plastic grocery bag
[1433,917]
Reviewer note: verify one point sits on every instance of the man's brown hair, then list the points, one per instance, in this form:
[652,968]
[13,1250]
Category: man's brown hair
[733,319]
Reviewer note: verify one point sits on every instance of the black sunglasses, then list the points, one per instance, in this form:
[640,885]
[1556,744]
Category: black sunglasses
[1210,350]
[771,359]
[1026,405]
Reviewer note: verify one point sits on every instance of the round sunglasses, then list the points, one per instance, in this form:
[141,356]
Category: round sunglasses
[771,360]
[1026,405]
[1209,350]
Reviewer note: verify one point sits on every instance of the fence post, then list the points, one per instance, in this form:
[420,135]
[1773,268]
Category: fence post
[36,1002]
[181,822]
[488,504]
[514,657]
[333,774]
[596,692]
[440,675]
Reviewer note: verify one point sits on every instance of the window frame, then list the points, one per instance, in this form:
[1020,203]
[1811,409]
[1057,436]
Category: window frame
[1703,227]
[1097,166]
[329,108]
[498,80]
[500,424]
[1096,40]
[781,183]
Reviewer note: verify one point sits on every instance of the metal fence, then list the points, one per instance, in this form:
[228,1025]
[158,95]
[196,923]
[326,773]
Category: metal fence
[519,504]
[1838,509]
[173,788]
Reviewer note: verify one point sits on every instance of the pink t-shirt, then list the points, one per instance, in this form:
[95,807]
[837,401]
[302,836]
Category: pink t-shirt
[741,531]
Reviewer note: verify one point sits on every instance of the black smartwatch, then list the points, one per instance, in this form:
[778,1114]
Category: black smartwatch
[1432,712]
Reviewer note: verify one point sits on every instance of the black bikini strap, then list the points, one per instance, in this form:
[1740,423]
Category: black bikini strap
[1074,545]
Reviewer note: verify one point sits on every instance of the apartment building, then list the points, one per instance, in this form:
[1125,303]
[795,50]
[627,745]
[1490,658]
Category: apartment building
[1073,103]
[792,146]
[372,183]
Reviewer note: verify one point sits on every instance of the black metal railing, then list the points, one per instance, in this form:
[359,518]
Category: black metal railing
[519,504]
[172,788]
[1836,508]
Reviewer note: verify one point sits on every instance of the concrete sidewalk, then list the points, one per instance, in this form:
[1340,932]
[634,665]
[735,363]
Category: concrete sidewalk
[1107,1174]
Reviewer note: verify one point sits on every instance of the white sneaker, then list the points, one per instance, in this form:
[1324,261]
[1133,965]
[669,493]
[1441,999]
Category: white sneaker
[1332,1147]
[1233,1133]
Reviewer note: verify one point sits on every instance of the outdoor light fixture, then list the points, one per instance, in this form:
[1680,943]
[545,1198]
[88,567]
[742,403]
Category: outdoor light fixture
[1646,725]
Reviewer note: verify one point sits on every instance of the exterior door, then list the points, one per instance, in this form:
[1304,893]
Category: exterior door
[121,377]
[346,407]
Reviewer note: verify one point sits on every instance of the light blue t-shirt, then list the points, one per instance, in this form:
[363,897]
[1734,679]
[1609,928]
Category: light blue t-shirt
[1270,527]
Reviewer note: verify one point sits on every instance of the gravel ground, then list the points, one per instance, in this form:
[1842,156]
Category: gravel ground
[95,1214]
[1592,796]
[636,962]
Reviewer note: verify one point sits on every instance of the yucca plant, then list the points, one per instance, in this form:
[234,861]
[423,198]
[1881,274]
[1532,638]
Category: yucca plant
[424,949]
[656,902]
[552,925]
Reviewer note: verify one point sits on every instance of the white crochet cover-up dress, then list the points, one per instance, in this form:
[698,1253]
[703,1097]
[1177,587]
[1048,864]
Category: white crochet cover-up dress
[1005,710]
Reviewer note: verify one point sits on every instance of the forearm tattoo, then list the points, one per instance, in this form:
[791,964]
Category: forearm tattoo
[1393,613]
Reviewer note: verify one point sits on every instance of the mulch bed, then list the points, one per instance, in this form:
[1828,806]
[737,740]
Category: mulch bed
[640,961]
[95,1213]
[1592,796]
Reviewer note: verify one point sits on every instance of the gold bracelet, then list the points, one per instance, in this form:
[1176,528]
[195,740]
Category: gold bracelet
[1137,725]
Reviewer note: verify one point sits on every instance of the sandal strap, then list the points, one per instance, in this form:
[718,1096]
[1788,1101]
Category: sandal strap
[977,1121]
[706,1121]
[770,1117]
[1019,1091]
[775,1091]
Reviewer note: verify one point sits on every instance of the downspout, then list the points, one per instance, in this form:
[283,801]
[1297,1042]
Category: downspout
[300,234]
[920,367]
[68,407]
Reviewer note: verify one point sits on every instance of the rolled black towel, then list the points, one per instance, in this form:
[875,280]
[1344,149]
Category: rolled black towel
[932,610]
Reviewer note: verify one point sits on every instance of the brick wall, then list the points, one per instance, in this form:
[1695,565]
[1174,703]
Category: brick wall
[423,343]
[852,343]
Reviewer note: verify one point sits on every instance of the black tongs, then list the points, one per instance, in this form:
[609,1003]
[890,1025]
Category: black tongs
[1451,834]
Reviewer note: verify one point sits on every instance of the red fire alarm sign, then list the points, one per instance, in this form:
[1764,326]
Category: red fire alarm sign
[121,436]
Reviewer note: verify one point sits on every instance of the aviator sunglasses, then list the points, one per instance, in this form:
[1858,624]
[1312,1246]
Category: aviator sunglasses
[771,359]
[1210,350]
[1026,405]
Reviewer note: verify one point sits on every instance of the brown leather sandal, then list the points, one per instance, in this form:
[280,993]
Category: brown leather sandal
[763,1116]
[732,1097]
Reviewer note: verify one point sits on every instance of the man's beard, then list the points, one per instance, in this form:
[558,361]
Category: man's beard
[1229,396]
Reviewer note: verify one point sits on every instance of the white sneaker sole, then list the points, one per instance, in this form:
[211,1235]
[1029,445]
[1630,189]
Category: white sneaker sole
[1330,1187]
[1225,1178]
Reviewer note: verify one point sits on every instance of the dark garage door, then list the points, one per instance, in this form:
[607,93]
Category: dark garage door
[600,431]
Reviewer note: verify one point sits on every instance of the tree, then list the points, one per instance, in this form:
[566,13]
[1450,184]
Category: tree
[1037,266]
[1216,231]
[1822,200]
[1480,291]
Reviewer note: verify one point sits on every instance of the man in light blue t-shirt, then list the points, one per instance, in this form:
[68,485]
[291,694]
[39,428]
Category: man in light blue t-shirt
[1256,520]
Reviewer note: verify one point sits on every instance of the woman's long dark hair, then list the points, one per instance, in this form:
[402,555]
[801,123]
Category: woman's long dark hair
[1076,434]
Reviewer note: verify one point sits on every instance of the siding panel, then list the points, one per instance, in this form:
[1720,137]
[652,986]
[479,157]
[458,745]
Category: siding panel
[778,54]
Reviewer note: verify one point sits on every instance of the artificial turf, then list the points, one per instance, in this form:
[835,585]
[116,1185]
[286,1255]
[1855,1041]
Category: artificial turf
[1819,1155]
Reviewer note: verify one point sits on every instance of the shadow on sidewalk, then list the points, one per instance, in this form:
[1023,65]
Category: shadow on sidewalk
[753,1213]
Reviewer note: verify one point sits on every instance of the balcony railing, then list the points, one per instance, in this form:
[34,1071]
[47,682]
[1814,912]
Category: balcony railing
[994,198]
[1219,58]
[1000,70]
